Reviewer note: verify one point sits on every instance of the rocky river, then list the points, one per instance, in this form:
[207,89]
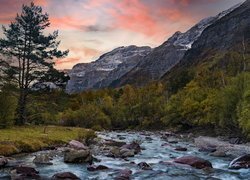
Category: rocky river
[134,155]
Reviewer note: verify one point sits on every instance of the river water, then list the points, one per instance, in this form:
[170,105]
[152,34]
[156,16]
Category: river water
[154,153]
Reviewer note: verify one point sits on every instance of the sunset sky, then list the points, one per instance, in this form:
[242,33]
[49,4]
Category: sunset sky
[89,28]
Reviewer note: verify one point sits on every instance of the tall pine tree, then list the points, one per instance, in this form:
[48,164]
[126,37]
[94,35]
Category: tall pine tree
[32,51]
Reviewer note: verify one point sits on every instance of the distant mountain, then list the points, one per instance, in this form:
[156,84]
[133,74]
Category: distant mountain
[106,69]
[167,55]
[140,65]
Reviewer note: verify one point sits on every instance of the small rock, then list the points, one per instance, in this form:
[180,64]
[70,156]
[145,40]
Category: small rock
[218,154]
[240,162]
[124,175]
[180,149]
[97,168]
[77,145]
[134,145]
[42,159]
[65,176]
[193,161]
[124,153]
[3,162]
[144,166]
[235,140]
[208,149]
[114,143]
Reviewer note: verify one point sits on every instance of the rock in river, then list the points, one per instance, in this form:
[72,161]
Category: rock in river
[42,159]
[77,145]
[78,156]
[193,161]
[240,162]
[65,176]
[25,172]
[133,146]
[3,161]
[97,168]
[144,166]
[124,174]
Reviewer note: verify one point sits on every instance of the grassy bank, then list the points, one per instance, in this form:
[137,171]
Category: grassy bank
[34,138]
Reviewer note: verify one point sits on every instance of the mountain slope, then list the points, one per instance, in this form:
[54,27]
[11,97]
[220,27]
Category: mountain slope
[84,76]
[166,56]
[223,45]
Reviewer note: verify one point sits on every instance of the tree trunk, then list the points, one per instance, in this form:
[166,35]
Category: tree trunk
[21,108]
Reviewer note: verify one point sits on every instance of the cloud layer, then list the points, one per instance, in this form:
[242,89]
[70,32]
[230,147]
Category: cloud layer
[91,27]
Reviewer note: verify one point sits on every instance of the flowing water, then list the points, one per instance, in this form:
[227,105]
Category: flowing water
[152,154]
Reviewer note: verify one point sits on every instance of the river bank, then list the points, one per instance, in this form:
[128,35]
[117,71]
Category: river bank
[136,155]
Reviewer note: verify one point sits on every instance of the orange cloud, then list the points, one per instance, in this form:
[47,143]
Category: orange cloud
[67,22]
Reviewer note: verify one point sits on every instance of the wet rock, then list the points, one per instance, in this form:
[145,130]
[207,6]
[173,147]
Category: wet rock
[235,140]
[97,168]
[234,150]
[208,149]
[3,162]
[180,149]
[65,176]
[114,143]
[78,156]
[77,145]
[148,138]
[124,175]
[114,152]
[124,153]
[42,159]
[144,166]
[193,161]
[133,146]
[218,154]
[24,172]
[240,162]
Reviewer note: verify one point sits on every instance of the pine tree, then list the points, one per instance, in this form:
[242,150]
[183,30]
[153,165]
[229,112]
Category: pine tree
[31,51]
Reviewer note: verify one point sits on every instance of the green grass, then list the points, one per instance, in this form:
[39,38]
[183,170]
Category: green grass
[34,138]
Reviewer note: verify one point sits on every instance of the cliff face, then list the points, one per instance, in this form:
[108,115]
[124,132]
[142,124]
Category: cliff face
[116,63]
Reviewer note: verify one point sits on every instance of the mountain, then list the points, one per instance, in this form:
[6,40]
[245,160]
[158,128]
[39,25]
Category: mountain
[107,68]
[167,55]
[224,45]
[140,65]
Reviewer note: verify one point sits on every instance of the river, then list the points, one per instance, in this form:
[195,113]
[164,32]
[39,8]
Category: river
[153,153]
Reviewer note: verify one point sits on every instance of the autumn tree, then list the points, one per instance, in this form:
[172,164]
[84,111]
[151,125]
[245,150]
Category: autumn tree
[32,51]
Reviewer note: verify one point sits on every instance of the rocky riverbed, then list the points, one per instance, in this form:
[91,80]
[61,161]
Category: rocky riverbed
[134,155]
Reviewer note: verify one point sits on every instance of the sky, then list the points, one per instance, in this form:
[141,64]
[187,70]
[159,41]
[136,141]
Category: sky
[89,28]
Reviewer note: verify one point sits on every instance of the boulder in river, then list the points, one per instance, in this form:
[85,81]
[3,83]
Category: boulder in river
[124,174]
[77,145]
[25,172]
[240,162]
[195,162]
[96,167]
[42,159]
[78,156]
[65,176]
[134,146]
[144,166]
[179,148]
[3,161]
[124,153]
